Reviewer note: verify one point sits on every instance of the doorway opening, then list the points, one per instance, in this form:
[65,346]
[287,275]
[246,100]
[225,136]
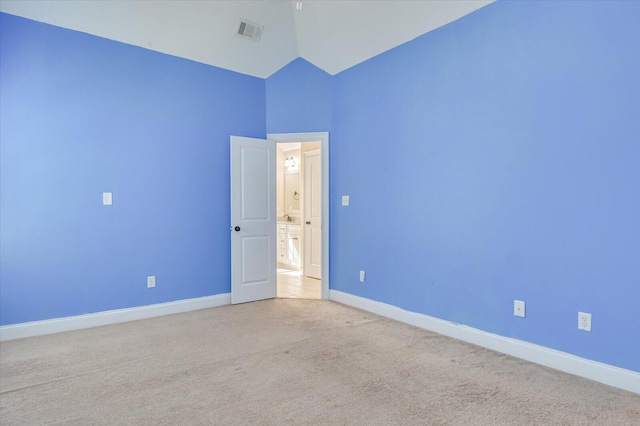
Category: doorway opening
[298,190]
[302,215]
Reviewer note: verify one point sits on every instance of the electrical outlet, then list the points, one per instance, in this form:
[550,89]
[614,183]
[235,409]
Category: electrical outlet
[518,308]
[107,198]
[345,200]
[151,281]
[361,276]
[584,321]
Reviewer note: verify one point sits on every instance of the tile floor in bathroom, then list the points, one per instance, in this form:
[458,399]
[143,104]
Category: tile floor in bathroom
[294,285]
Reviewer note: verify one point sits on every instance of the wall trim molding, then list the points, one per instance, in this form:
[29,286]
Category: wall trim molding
[58,325]
[604,373]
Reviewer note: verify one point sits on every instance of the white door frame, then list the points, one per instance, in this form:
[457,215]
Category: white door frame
[323,137]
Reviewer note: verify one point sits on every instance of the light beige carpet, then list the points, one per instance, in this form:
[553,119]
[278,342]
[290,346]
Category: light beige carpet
[287,362]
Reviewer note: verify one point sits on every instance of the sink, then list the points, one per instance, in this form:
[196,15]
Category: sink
[293,221]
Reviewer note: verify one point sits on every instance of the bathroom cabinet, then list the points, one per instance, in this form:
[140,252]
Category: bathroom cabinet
[289,244]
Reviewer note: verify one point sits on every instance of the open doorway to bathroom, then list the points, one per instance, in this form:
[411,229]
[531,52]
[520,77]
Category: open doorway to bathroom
[299,219]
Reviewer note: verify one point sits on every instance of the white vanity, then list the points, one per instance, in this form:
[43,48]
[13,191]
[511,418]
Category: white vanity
[289,239]
[289,244]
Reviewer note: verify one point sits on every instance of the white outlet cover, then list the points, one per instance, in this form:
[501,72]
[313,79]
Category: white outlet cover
[518,308]
[345,200]
[584,321]
[107,198]
[151,281]
[361,276]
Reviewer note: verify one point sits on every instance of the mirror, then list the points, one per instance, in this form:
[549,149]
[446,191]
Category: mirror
[292,192]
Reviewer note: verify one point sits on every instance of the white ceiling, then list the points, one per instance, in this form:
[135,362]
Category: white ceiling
[289,146]
[332,34]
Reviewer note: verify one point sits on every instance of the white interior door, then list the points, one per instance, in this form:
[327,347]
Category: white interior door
[253,219]
[313,214]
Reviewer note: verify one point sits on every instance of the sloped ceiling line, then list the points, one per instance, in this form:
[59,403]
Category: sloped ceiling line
[333,35]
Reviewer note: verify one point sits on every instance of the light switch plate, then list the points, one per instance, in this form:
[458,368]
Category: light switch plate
[151,281]
[345,200]
[518,308]
[107,198]
[361,276]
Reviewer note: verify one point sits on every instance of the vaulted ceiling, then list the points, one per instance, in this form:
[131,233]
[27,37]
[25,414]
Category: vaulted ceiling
[332,34]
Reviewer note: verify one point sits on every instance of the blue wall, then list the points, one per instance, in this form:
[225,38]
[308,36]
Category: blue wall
[82,115]
[498,158]
[299,99]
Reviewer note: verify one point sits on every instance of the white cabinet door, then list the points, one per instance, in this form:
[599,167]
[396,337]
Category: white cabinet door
[282,244]
[253,219]
[293,245]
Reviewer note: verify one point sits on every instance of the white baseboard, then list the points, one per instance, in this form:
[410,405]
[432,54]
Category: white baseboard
[603,373]
[57,325]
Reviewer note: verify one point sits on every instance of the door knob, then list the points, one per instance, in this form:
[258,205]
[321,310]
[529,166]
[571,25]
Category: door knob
[237,228]
[308,223]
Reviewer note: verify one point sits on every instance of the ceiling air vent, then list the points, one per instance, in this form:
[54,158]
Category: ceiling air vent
[250,30]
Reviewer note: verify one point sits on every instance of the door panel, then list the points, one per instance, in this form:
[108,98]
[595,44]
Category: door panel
[253,220]
[313,215]
[255,259]
[316,240]
[255,188]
